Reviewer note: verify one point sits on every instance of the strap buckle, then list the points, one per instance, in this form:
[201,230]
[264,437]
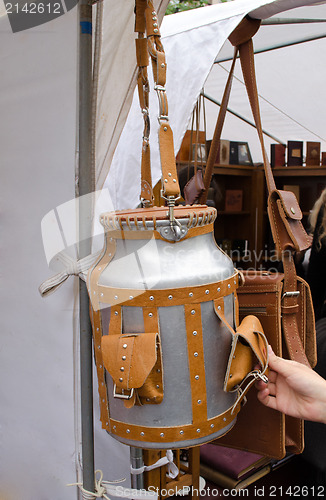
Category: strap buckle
[163,103]
[122,395]
[296,293]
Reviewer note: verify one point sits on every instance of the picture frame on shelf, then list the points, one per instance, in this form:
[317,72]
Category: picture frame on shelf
[233,200]
[240,153]
[201,152]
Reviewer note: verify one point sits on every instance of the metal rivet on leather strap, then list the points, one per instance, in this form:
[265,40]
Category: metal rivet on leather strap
[102,294]
[170,297]
[116,313]
[212,426]
[224,419]
[155,25]
[99,268]
[157,386]
[197,377]
[190,294]
[125,346]
[101,366]
[207,292]
[142,433]
[158,370]
[110,254]
[162,434]
[155,30]
[165,180]
[128,431]
[122,369]
[199,401]
[292,210]
[219,308]
[151,297]
[114,427]
[131,297]
[120,379]
[99,347]
[193,311]
[153,13]
[229,286]
[165,129]
[174,180]
[124,358]
[116,297]
[97,329]
[195,354]
[218,289]
[181,432]
[150,315]
[198,430]
[162,65]
[194,332]
[230,375]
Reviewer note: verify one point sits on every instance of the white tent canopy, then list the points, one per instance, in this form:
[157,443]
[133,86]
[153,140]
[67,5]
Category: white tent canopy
[289,81]
[40,438]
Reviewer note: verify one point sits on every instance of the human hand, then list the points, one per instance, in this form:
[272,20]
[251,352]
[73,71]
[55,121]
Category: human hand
[293,389]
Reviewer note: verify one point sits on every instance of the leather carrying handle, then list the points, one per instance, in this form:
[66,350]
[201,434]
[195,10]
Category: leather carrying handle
[146,21]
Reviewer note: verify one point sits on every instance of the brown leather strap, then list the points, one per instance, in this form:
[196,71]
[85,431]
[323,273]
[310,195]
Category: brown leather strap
[215,145]
[245,30]
[290,310]
[246,52]
[288,232]
[147,21]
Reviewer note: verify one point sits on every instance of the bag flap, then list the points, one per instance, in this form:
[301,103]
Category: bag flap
[129,358]
[249,348]
[290,204]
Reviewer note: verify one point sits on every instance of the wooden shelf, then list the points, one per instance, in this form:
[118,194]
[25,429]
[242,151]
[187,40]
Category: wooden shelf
[245,170]
[299,171]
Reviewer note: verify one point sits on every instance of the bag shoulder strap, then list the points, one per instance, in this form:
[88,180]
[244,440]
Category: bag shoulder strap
[147,22]
[285,220]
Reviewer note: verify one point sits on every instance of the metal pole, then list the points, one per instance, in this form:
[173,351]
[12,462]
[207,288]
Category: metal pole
[280,45]
[136,461]
[85,187]
[243,118]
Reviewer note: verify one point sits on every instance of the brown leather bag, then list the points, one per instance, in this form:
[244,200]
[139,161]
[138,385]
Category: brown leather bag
[281,301]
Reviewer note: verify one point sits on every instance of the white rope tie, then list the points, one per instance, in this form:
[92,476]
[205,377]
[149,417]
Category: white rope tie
[102,488]
[172,469]
[72,268]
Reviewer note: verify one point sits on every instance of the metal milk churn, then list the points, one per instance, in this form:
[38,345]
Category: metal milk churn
[161,349]
[170,363]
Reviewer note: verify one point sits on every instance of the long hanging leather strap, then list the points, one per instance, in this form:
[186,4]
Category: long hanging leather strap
[146,20]
[215,145]
[290,305]
[146,194]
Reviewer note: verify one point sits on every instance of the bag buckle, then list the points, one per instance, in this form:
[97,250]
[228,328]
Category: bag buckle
[291,294]
[122,395]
